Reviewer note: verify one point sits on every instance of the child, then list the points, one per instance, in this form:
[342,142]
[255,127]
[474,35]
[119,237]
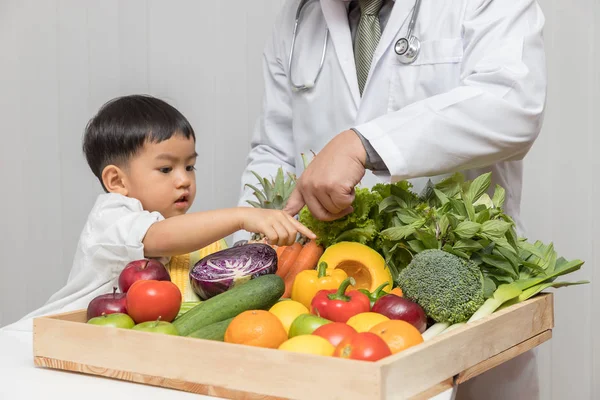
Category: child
[142,150]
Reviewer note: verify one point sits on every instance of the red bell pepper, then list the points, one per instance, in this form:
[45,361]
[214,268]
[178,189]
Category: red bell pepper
[338,306]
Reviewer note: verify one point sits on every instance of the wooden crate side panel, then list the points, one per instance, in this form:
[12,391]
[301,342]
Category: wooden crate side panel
[417,369]
[222,366]
[208,390]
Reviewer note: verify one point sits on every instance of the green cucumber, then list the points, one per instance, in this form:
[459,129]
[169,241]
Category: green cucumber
[214,331]
[186,306]
[257,294]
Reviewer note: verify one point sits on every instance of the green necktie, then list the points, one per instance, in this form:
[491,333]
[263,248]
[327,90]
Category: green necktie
[367,37]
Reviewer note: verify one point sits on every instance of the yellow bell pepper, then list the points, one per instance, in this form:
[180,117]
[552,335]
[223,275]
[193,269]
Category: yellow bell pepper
[309,282]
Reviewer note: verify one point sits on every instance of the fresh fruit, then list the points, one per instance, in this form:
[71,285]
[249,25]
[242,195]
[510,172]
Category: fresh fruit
[335,332]
[338,305]
[397,291]
[399,335]
[115,320]
[308,344]
[361,262]
[395,307]
[287,312]
[274,194]
[256,328]
[144,269]
[107,304]
[365,346]
[214,331]
[258,293]
[363,322]
[308,283]
[157,326]
[149,300]
[305,324]
[218,272]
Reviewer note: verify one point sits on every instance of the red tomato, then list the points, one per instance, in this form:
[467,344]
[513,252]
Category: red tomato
[147,300]
[334,332]
[365,346]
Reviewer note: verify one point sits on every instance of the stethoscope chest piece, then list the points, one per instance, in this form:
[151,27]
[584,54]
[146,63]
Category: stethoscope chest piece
[407,49]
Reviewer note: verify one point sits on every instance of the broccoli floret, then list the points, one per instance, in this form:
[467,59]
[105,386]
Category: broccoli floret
[449,288]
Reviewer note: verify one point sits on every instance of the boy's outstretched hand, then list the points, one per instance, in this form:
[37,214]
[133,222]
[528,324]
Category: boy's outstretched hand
[279,227]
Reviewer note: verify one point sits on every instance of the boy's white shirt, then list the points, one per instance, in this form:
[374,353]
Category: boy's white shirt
[111,237]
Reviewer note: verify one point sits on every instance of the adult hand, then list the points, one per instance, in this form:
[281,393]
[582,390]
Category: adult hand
[326,187]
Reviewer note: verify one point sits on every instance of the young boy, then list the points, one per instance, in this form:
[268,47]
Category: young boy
[142,150]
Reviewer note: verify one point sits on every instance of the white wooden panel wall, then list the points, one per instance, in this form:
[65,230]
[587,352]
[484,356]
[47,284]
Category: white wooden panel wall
[60,60]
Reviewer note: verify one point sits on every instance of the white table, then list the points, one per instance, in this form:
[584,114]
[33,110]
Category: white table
[20,379]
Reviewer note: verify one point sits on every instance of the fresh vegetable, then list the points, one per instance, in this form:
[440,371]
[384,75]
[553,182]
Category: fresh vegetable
[308,283]
[214,331]
[186,306]
[145,269]
[359,226]
[179,268]
[365,346]
[305,324]
[288,311]
[150,300]
[399,308]
[339,306]
[374,296]
[107,304]
[115,320]
[307,260]
[399,335]
[363,322]
[335,332]
[223,270]
[287,259]
[308,344]
[397,291]
[258,293]
[258,328]
[362,263]
[157,326]
[449,288]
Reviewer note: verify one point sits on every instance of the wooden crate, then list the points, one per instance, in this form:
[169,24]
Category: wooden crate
[227,370]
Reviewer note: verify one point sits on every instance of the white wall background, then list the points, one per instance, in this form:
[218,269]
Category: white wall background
[61,59]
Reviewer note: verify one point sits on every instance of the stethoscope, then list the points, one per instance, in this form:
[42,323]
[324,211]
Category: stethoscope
[407,48]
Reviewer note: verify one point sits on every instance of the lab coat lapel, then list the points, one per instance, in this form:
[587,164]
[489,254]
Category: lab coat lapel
[336,16]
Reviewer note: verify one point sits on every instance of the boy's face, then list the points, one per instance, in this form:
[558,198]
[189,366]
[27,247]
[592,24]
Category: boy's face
[162,176]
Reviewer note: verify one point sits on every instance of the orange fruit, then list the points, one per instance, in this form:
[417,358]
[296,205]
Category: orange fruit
[399,335]
[256,328]
[364,321]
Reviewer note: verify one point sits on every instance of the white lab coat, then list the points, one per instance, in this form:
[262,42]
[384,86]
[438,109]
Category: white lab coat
[473,101]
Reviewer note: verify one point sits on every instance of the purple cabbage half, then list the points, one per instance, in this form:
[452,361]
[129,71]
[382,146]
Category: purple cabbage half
[220,271]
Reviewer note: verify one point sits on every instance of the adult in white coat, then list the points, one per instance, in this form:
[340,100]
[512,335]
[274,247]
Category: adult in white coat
[472,101]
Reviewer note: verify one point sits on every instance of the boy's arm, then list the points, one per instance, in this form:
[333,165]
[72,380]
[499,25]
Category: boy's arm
[186,233]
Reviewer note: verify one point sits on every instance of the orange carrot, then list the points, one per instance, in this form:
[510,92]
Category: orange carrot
[307,259]
[279,251]
[288,256]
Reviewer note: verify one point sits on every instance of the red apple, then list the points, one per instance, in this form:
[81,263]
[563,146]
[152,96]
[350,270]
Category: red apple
[107,304]
[142,270]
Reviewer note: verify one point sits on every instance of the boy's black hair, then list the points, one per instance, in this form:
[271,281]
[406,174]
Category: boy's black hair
[122,126]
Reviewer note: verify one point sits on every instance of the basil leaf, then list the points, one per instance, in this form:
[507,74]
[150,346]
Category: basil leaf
[398,233]
[444,224]
[482,216]
[451,186]
[499,196]
[407,216]
[390,204]
[479,186]
[458,206]
[467,245]
[441,196]
[467,229]
[495,228]
[447,248]
[500,263]
[416,246]
[428,239]
[489,287]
